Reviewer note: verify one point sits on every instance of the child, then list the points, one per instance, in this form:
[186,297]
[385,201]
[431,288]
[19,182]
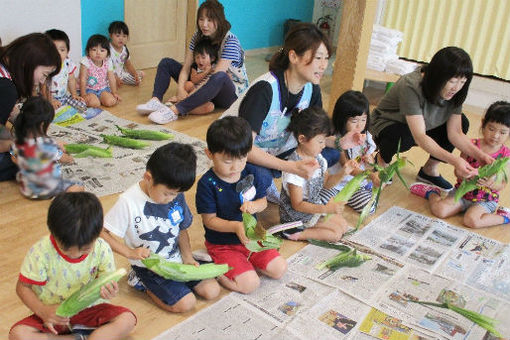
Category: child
[97,79]
[65,79]
[37,155]
[480,204]
[204,55]
[152,216]
[351,114]
[307,200]
[229,188]
[63,262]
[125,72]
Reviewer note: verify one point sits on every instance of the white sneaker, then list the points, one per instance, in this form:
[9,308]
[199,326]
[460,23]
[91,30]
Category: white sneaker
[163,115]
[151,106]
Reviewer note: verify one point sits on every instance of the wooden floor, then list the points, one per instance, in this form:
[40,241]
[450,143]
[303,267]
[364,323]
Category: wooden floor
[22,221]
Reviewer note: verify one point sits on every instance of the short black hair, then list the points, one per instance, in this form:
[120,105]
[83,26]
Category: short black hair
[350,104]
[34,119]
[498,112]
[97,40]
[447,63]
[231,135]
[75,219]
[173,165]
[309,122]
[205,46]
[118,27]
[59,35]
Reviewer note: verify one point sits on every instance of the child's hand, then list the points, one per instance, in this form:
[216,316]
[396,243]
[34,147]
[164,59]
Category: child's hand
[117,97]
[189,260]
[334,207]
[139,253]
[66,159]
[368,159]
[350,166]
[55,103]
[49,317]
[109,290]
[374,176]
[249,207]
[241,234]
[76,97]
[119,82]
[487,182]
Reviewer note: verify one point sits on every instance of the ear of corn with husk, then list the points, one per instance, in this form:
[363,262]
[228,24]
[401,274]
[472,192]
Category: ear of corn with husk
[88,294]
[258,241]
[183,272]
[349,189]
[483,321]
[498,168]
[346,258]
[124,142]
[145,134]
[87,150]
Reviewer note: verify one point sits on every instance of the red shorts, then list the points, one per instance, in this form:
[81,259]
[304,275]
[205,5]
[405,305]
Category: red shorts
[236,256]
[94,316]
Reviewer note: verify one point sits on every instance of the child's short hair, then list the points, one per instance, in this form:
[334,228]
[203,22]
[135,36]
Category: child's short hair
[230,135]
[75,219]
[498,112]
[309,122]
[118,27]
[173,165]
[349,104]
[205,46]
[34,118]
[58,35]
[95,40]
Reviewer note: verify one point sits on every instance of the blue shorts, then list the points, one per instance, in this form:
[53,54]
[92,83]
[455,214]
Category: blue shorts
[98,92]
[168,291]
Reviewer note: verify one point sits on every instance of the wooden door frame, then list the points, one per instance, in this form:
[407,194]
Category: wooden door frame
[191,21]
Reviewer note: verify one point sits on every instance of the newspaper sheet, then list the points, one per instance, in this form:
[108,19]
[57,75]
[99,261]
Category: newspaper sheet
[104,176]
[361,282]
[418,285]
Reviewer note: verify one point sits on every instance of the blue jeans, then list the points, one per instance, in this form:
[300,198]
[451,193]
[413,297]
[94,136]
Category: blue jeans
[8,169]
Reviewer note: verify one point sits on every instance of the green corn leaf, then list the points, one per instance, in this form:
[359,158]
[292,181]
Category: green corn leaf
[145,134]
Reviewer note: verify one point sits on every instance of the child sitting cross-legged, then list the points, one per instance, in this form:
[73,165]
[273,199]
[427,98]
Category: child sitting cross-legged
[308,199]
[60,264]
[480,206]
[229,188]
[152,216]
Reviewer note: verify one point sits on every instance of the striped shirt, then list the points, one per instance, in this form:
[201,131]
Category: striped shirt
[4,73]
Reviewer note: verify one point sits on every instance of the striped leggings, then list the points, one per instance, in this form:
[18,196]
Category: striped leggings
[128,79]
[357,202]
[69,100]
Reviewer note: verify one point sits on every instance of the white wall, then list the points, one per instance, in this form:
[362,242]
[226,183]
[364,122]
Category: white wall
[20,17]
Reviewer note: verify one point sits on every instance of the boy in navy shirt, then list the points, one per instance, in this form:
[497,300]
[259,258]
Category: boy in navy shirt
[229,188]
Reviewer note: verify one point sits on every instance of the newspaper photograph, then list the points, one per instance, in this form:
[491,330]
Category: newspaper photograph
[104,176]
[284,298]
[362,282]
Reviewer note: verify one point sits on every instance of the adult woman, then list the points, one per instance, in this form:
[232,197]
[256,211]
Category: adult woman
[424,108]
[292,84]
[24,64]
[225,84]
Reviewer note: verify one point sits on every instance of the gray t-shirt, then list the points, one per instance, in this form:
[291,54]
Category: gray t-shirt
[406,98]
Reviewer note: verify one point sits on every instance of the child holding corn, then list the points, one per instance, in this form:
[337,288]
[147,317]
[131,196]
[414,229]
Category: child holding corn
[60,264]
[479,205]
[228,189]
[152,216]
[307,199]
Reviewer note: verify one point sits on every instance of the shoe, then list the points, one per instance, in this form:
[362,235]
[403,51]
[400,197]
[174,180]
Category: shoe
[291,234]
[134,281]
[272,194]
[502,211]
[163,115]
[151,106]
[438,181]
[82,332]
[423,190]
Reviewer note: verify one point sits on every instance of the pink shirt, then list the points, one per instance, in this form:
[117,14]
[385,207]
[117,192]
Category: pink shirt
[98,75]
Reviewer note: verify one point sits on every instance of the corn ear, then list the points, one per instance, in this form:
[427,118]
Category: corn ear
[102,153]
[145,134]
[325,244]
[88,294]
[349,258]
[183,272]
[256,242]
[124,142]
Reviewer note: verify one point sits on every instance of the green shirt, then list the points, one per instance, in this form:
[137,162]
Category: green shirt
[54,276]
[406,98]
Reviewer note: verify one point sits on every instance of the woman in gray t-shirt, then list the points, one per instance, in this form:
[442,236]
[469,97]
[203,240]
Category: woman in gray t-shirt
[424,108]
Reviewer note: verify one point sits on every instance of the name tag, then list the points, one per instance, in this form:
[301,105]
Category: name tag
[175,215]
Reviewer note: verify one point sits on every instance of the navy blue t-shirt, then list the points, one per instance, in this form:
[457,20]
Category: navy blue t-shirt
[215,196]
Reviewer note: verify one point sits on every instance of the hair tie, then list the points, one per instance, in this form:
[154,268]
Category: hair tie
[281,50]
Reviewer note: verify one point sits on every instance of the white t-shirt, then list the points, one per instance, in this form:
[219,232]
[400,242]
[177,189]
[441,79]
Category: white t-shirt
[143,223]
[118,59]
[59,82]
[299,181]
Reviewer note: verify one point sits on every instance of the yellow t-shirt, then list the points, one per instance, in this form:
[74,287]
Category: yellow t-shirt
[54,276]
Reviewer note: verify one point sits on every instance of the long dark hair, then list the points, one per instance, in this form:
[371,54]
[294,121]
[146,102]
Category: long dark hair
[301,38]
[215,11]
[447,63]
[22,56]
[349,104]
[34,118]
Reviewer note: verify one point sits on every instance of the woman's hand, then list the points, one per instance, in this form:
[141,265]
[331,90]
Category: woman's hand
[485,159]
[463,169]
[352,139]
[306,167]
